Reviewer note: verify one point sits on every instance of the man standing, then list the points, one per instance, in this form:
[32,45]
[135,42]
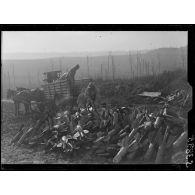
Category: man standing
[87,97]
[91,93]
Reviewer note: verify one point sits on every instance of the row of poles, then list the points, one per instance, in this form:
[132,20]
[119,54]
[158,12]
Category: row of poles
[107,71]
[142,67]
[7,78]
[10,79]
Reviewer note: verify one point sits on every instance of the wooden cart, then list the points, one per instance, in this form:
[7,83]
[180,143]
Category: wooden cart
[53,85]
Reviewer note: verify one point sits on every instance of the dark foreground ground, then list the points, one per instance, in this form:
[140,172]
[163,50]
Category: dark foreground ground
[11,154]
[22,155]
[167,82]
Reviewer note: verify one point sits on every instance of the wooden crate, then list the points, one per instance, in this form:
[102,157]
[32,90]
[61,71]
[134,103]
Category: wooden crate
[62,87]
[58,87]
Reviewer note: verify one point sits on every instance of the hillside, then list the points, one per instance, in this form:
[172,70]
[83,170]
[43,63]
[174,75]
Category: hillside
[158,60]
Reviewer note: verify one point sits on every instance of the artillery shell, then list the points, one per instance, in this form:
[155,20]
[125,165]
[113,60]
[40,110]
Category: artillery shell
[122,152]
[149,152]
[180,141]
[159,156]
[123,135]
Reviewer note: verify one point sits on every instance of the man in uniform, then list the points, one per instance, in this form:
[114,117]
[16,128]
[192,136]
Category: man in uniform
[91,93]
[87,98]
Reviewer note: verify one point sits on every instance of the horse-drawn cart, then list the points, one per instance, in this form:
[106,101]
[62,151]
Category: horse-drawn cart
[60,87]
[58,90]
[63,86]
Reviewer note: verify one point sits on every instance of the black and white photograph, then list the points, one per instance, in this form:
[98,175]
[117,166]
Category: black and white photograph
[95,98]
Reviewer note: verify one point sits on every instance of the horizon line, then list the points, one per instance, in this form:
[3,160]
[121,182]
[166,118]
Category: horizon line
[79,52]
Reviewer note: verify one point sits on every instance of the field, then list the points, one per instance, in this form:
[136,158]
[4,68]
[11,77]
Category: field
[123,95]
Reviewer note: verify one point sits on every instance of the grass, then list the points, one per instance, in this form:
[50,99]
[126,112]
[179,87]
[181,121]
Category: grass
[124,91]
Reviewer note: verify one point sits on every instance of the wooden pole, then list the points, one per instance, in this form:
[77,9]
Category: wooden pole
[152,67]
[130,64]
[14,80]
[87,66]
[113,68]
[52,66]
[145,67]
[153,71]
[29,80]
[137,64]
[183,59]
[108,63]
[60,64]
[101,72]
[5,83]
[148,67]
[159,65]
[140,66]
[38,79]
[106,74]
[9,79]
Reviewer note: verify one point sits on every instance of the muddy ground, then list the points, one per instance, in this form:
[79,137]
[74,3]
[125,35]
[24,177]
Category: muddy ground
[22,155]
[11,154]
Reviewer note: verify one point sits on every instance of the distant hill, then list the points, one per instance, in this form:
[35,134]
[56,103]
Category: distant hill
[32,56]
[165,58]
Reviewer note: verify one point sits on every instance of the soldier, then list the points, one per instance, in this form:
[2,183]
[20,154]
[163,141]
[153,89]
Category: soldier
[91,93]
[87,98]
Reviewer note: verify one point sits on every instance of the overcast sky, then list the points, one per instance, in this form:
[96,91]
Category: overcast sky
[82,41]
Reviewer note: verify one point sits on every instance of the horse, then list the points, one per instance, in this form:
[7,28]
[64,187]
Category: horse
[26,97]
[18,98]
[37,95]
[37,98]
